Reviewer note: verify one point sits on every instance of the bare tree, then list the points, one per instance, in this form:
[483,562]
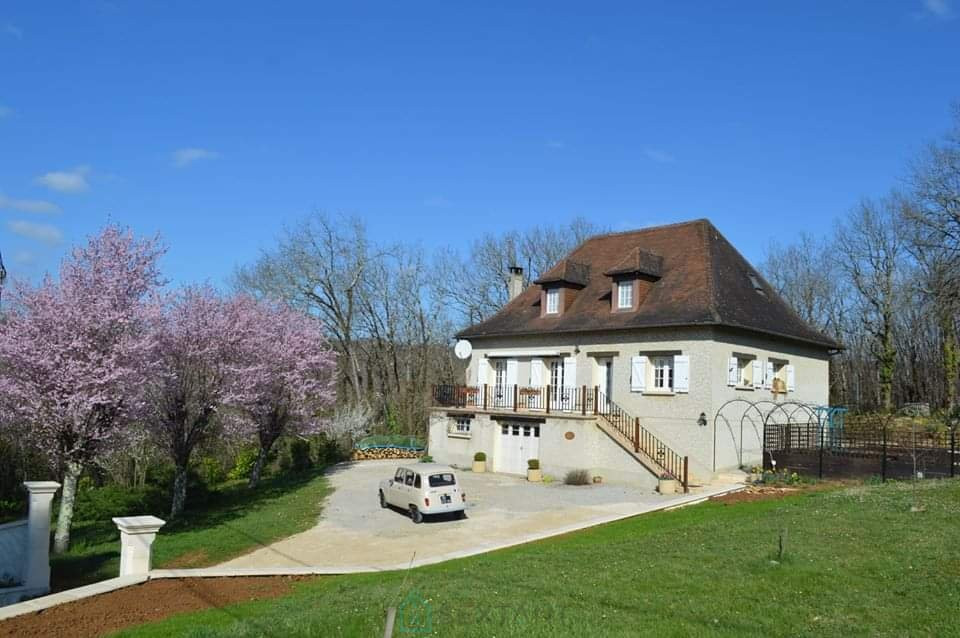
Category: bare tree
[870,252]
[319,266]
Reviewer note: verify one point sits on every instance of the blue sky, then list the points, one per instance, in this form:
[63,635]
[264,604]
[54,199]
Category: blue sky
[215,123]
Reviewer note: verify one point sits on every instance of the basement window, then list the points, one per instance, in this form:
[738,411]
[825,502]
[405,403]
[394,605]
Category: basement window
[460,427]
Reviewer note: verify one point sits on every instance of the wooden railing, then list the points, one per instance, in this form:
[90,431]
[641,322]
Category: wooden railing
[643,440]
[571,400]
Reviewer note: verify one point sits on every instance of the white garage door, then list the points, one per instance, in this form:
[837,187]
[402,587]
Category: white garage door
[519,442]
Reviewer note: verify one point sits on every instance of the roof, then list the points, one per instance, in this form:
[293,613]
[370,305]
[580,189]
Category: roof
[703,280]
[426,468]
[567,271]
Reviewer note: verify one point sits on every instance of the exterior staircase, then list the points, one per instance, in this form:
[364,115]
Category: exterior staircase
[640,443]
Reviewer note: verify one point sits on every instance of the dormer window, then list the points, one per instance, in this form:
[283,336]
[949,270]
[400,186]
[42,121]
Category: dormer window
[553,301]
[625,295]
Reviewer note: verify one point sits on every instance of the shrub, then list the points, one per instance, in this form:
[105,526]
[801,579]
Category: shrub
[577,477]
[299,452]
[211,471]
[329,450]
[480,456]
[103,503]
[243,464]
[533,464]
[426,458]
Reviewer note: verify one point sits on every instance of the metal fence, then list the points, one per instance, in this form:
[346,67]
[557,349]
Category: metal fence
[855,452]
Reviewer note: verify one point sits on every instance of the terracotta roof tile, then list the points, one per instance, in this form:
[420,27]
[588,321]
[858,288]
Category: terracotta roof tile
[703,281]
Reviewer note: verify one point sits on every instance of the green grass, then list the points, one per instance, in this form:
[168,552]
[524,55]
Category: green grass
[858,562]
[233,521]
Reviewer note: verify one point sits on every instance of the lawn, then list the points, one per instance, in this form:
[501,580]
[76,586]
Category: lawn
[235,520]
[857,562]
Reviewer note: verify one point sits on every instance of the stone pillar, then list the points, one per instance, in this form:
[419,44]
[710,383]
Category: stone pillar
[137,534]
[36,571]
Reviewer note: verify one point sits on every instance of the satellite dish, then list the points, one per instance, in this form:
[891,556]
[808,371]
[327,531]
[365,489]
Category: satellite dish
[463,349]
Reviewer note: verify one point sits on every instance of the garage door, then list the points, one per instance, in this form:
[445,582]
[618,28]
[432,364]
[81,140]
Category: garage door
[519,442]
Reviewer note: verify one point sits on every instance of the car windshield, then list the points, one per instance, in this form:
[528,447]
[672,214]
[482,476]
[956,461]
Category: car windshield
[442,480]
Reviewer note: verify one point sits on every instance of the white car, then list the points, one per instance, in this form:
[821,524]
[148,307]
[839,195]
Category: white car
[424,489]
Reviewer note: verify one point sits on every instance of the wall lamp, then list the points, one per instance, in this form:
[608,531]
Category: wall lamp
[702,421]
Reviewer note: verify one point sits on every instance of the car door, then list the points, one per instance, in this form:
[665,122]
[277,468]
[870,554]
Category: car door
[395,491]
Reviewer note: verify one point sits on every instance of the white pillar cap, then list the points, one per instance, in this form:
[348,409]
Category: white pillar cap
[41,487]
[139,524]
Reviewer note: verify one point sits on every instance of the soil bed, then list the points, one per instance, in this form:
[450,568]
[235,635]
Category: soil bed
[153,600]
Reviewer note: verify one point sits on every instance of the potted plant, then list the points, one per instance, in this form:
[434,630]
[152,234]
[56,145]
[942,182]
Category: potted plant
[756,474]
[667,484]
[480,462]
[597,480]
[533,471]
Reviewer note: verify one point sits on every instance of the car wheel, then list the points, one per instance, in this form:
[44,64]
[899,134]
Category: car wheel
[383,501]
[416,515]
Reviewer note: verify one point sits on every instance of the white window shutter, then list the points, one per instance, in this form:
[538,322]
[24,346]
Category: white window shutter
[536,372]
[511,372]
[757,374]
[791,379]
[638,373]
[570,372]
[733,371]
[681,373]
[483,371]
[768,377]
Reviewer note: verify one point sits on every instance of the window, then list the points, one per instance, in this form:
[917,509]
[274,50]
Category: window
[399,476]
[556,373]
[416,481]
[442,480]
[409,478]
[663,373]
[462,425]
[553,301]
[625,294]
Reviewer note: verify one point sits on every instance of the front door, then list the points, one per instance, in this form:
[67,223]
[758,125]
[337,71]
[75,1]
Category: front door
[605,384]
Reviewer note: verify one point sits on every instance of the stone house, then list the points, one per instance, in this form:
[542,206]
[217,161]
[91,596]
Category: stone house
[618,358]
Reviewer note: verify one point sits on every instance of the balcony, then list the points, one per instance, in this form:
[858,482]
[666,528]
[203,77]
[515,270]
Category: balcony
[582,400]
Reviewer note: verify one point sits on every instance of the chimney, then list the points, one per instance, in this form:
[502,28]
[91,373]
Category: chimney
[515,282]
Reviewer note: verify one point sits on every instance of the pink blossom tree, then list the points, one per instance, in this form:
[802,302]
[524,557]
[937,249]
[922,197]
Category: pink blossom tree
[74,353]
[196,348]
[284,375]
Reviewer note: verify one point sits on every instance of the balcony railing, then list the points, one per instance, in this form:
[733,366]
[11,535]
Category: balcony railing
[518,398]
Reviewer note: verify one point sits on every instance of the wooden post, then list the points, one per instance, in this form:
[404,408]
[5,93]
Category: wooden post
[484,396]
[516,396]
[636,434]
[583,399]
[596,399]
[686,474]
[548,399]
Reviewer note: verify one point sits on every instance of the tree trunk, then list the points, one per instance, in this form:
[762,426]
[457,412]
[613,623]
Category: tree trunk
[61,539]
[179,490]
[265,446]
[949,355]
[888,362]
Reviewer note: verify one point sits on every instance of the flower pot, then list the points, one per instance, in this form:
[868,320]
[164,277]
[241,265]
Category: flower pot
[479,467]
[667,486]
[597,480]
[534,476]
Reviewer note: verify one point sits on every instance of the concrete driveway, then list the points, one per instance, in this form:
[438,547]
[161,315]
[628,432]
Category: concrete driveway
[354,531]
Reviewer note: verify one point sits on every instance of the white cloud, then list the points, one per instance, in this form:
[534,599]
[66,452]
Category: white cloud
[28,205]
[939,9]
[24,258]
[44,233]
[12,30]
[74,181]
[659,156]
[187,156]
